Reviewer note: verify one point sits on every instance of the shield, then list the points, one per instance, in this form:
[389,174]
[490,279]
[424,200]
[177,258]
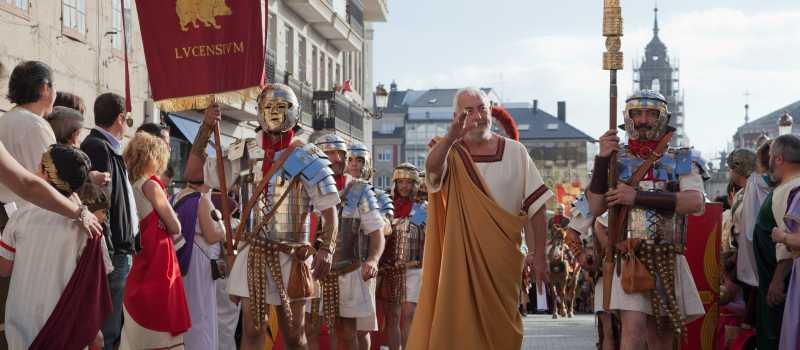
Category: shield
[702,253]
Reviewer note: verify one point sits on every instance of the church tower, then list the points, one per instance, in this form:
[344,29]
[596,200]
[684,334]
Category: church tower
[656,72]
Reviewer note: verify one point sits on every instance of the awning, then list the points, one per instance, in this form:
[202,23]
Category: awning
[189,128]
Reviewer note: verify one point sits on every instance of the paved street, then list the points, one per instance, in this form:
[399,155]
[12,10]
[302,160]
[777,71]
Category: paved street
[542,332]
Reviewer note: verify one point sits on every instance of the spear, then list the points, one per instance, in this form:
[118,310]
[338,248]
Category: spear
[612,61]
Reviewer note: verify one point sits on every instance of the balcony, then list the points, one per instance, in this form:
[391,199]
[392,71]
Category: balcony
[312,11]
[353,42]
[376,11]
[335,28]
[335,113]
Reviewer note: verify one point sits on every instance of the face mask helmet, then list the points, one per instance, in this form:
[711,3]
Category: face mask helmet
[278,108]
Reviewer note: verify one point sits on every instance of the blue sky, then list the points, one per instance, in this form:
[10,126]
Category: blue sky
[550,51]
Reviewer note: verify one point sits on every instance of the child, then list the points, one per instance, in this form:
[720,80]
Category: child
[155,310]
[59,293]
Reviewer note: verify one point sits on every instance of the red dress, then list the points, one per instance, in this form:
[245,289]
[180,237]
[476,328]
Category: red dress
[154,294]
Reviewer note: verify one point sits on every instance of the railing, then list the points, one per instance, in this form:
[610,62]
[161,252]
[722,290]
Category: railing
[333,112]
[355,16]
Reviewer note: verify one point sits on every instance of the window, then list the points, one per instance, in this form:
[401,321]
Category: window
[552,126]
[385,154]
[273,33]
[383,182]
[417,156]
[322,79]
[73,16]
[387,128]
[17,6]
[339,74]
[289,54]
[331,82]
[314,68]
[116,39]
[301,56]
[421,134]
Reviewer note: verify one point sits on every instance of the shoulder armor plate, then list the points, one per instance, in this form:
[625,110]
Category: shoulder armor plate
[310,163]
[385,202]
[419,213]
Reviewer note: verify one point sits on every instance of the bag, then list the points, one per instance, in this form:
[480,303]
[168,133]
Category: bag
[635,276]
[219,269]
[301,284]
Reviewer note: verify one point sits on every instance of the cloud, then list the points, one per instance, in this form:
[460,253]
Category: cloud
[722,53]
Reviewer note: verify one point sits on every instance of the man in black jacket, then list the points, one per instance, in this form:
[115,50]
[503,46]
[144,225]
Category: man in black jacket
[104,147]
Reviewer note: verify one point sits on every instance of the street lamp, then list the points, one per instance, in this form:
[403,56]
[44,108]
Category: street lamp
[381,101]
[785,124]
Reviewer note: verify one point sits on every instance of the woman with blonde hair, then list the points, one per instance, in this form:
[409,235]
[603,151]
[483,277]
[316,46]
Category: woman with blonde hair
[155,309]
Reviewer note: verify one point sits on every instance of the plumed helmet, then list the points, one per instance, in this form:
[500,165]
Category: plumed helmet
[742,162]
[331,142]
[406,171]
[278,108]
[360,150]
[647,99]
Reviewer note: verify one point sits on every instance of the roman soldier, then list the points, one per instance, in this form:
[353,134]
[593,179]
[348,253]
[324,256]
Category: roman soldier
[652,285]
[401,264]
[274,265]
[558,222]
[348,292]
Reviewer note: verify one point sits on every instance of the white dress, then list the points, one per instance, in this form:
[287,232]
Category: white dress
[135,336]
[201,294]
[45,248]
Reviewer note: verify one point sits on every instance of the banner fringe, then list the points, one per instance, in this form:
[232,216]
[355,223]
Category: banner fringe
[232,98]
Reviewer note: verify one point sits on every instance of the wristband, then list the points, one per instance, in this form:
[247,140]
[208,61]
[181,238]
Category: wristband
[664,201]
[599,184]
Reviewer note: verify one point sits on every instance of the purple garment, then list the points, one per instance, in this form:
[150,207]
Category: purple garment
[186,208]
[790,327]
[792,218]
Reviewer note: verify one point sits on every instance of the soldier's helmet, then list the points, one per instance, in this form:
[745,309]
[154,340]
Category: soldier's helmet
[331,142]
[278,108]
[360,150]
[406,171]
[647,99]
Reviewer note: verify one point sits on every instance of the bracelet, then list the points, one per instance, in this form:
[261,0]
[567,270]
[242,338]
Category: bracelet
[82,215]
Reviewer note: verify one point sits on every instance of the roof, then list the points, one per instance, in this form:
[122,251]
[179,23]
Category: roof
[544,126]
[438,98]
[770,121]
[395,104]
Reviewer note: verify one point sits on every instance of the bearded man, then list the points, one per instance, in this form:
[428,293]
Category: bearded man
[483,188]
[669,187]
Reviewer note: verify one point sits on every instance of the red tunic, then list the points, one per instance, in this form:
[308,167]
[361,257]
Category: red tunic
[154,294]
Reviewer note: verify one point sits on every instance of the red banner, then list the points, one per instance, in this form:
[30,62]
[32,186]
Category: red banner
[566,193]
[196,48]
[702,253]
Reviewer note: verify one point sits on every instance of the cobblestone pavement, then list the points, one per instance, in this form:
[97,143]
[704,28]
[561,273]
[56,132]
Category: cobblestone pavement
[543,332]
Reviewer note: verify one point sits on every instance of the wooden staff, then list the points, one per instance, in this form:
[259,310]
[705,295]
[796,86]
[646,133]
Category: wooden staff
[612,61]
[223,187]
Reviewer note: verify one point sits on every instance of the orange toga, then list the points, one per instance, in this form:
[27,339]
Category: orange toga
[473,266]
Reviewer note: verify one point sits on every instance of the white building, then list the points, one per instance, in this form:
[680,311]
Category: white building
[313,45]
